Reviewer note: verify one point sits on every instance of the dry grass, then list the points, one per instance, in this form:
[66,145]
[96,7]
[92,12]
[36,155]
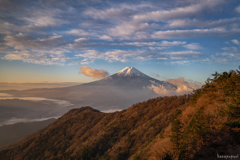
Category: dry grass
[161,148]
[187,114]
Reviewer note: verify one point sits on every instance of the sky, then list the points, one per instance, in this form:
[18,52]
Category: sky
[55,40]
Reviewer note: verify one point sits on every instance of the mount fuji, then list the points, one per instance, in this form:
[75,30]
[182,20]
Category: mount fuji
[131,78]
[117,91]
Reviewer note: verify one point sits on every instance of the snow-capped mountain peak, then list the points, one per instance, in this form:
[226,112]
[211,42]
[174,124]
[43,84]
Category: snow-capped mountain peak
[130,71]
[132,78]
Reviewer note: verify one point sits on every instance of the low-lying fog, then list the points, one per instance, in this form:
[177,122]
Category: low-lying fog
[28,109]
[21,116]
[24,86]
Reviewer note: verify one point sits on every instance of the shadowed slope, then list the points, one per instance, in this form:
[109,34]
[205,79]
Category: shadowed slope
[87,133]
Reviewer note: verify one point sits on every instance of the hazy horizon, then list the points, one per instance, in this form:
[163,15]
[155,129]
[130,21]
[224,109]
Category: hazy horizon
[27,85]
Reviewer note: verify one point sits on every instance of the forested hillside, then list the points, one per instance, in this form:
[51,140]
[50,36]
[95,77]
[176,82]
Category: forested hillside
[203,125]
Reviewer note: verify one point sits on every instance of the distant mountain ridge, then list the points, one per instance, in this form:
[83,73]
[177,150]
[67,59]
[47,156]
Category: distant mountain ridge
[117,91]
[131,78]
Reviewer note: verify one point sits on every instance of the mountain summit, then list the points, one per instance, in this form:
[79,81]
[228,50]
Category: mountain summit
[130,71]
[131,78]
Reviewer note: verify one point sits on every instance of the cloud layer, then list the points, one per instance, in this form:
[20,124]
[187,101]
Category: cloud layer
[183,87]
[94,73]
[63,33]
[14,120]
[62,103]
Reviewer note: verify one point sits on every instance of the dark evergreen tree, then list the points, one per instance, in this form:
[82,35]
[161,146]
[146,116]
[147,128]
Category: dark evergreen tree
[175,137]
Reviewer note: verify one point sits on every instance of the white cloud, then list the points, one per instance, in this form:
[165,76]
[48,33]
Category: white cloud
[139,35]
[142,58]
[43,21]
[226,57]
[180,12]
[106,37]
[17,55]
[167,14]
[127,55]
[155,45]
[111,56]
[168,34]
[173,43]
[86,61]
[115,12]
[78,32]
[127,28]
[104,14]
[163,58]
[182,54]
[235,41]
[182,23]
[228,54]
[193,46]
[161,90]
[183,87]
[221,60]
[7,28]
[31,19]
[206,60]
[180,62]
[121,55]
[14,120]
[52,57]
[90,54]
[23,41]
[81,40]
[230,48]
[228,22]
[238,9]
[186,22]
[127,25]
[79,43]
[62,103]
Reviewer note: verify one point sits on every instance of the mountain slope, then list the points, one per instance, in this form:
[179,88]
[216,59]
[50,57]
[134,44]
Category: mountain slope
[131,78]
[86,133]
[201,126]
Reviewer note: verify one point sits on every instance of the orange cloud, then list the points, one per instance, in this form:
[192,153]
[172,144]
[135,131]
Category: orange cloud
[183,86]
[161,90]
[95,73]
